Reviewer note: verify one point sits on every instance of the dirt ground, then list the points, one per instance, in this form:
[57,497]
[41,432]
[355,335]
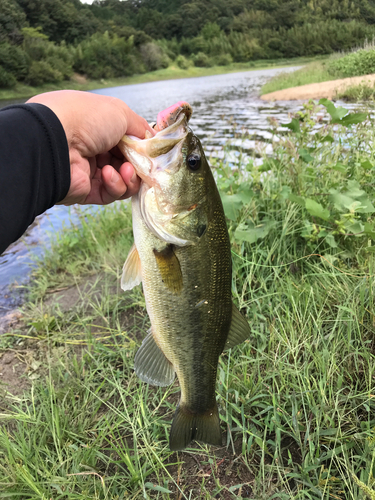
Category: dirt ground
[18,365]
[329,90]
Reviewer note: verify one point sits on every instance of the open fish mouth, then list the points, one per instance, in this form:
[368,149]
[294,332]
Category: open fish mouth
[169,116]
[161,152]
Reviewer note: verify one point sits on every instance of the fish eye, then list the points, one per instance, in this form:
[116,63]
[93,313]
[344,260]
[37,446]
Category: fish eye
[194,161]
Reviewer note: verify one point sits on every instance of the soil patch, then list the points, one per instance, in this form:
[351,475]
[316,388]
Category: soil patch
[329,90]
[12,371]
[23,363]
[79,78]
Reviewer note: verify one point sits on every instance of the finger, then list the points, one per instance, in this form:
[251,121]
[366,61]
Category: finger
[137,125]
[113,186]
[130,178]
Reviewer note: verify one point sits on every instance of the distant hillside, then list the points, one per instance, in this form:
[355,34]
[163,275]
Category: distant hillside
[47,40]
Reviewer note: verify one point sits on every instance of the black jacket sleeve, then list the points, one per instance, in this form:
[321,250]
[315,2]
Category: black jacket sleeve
[34,167]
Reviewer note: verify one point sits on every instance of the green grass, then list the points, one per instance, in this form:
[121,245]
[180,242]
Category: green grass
[297,400]
[172,72]
[314,72]
[355,63]
[358,93]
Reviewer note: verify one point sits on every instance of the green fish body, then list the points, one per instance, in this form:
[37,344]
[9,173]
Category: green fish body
[181,253]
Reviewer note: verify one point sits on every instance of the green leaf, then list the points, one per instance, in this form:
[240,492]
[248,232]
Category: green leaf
[268,164]
[353,118]
[342,202]
[308,229]
[232,204]
[285,192]
[297,199]
[156,487]
[330,239]
[369,229]
[354,189]
[356,228]
[366,206]
[316,209]
[306,157]
[367,165]
[356,202]
[339,167]
[236,487]
[293,126]
[245,194]
[251,233]
[328,138]
[336,113]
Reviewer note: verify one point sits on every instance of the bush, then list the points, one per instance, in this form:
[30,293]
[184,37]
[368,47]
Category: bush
[103,56]
[42,72]
[356,93]
[14,60]
[7,80]
[201,60]
[223,59]
[153,57]
[182,62]
[354,64]
[39,48]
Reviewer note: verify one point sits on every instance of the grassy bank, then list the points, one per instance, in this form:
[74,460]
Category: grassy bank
[359,63]
[172,72]
[358,93]
[296,400]
[315,72]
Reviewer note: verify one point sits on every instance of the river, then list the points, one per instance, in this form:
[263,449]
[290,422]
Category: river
[217,101]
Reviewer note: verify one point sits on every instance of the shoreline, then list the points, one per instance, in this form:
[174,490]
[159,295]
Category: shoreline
[79,82]
[329,89]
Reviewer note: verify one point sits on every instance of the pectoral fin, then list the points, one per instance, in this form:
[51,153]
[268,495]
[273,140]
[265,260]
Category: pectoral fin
[239,329]
[169,268]
[151,365]
[132,271]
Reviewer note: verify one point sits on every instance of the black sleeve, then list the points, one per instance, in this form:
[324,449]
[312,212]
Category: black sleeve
[34,167]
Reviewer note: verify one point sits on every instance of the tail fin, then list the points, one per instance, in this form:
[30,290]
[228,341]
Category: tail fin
[187,426]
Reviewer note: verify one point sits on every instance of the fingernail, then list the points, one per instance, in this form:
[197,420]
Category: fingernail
[114,177]
[134,177]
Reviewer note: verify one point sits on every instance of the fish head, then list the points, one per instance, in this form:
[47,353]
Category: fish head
[175,177]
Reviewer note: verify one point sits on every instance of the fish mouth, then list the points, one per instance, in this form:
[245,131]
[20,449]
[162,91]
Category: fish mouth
[160,152]
[171,115]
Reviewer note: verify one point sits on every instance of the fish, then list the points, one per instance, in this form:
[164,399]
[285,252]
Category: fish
[182,256]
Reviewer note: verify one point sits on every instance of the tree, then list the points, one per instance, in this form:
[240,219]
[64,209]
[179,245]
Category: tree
[12,20]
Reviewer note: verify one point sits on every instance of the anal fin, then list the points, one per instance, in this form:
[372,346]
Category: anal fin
[239,329]
[132,271]
[151,365]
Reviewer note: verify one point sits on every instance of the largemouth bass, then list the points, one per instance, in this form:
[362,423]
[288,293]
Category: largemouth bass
[181,253]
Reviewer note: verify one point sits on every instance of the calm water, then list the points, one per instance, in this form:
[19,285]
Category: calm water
[217,101]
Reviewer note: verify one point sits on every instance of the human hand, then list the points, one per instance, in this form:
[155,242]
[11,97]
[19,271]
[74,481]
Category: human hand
[94,125]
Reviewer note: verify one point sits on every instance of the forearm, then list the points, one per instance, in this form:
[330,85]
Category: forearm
[34,167]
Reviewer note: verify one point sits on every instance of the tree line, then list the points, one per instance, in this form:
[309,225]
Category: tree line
[45,41]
